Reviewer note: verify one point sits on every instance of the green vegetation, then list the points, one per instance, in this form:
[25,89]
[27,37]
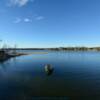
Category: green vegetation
[75,49]
[58,49]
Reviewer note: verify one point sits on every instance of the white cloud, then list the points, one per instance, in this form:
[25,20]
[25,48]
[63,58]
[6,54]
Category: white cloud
[19,3]
[27,20]
[17,20]
[39,18]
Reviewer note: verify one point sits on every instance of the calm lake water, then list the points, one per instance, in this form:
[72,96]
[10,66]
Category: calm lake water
[75,75]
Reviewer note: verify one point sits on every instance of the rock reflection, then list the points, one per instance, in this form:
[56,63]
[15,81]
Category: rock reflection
[49,69]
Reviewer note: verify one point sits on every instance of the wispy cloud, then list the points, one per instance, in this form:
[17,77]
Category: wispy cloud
[39,18]
[18,3]
[27,20]
[17,20]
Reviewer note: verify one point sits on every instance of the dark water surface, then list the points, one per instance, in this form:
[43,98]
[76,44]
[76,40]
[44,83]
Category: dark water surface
[76,75]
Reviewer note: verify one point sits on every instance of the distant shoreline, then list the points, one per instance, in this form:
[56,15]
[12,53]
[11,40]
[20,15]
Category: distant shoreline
[4,56]
[61,48]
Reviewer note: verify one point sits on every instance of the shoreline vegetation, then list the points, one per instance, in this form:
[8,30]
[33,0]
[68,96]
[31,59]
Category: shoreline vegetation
[62,48]
[4,53]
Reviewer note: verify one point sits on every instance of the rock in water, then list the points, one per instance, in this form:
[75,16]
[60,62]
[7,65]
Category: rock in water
[48,69]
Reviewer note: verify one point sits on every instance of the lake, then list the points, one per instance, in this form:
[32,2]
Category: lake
[75,75]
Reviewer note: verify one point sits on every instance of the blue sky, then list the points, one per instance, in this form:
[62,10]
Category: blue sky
[50,23]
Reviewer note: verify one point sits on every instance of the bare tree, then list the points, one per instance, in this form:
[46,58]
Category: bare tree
[0,44]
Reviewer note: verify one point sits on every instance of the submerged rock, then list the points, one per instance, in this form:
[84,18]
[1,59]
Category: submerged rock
[49,69]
